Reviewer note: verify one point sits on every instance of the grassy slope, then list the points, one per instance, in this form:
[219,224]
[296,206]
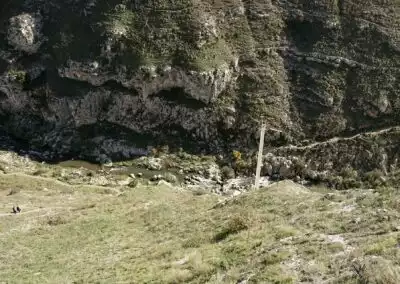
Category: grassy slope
[283,234]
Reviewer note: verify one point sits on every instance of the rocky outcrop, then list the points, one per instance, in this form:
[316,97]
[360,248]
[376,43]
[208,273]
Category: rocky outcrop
[24,32]
[107,79]
[201,86]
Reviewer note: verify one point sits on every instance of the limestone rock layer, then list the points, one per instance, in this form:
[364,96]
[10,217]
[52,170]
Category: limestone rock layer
[201,74]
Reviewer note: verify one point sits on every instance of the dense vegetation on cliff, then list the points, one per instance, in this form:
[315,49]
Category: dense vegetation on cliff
[196,73]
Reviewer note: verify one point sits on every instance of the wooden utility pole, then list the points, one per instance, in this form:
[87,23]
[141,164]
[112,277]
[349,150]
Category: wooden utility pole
[260,155]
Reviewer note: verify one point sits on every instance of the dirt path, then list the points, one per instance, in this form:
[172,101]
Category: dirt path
[339,139]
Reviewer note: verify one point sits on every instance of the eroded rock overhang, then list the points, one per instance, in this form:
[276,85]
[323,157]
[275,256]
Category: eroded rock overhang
[204,86]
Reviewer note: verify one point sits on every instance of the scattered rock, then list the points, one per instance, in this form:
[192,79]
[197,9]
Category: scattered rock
[154,164]
[99,180]
[213,172]
[348,208]
[170,178]
[237,184]
[280,167]
[164,183]
[236,192]
[156,177]
[182,261]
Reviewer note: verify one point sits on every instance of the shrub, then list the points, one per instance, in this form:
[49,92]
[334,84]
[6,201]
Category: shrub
[374,178]
[236,155]
[349,183]
[376,270]
[341,183]
[299,167]
[227,172]
[234,226]
[275,257]
[349,172]
[282,232]
[17,75]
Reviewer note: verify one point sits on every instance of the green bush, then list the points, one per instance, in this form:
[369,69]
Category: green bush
[17,75]
[374,178]
[227,172]
[349,183]
[349,173]
[234,226]
[299,167]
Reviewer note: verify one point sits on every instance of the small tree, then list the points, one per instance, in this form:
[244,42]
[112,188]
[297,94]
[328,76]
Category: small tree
[237,156]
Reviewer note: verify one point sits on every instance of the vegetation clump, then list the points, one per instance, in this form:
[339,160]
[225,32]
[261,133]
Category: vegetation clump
[17,75]
[227,172]
[234,226]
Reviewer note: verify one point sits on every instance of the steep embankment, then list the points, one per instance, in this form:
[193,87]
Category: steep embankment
[121,75]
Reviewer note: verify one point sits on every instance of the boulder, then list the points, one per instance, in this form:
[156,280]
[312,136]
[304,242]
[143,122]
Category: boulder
[24,32]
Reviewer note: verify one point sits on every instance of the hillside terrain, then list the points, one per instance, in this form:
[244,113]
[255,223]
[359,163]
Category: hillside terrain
[185,85]
[75,228]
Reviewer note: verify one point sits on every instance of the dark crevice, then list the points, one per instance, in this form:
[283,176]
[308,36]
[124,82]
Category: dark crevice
[10,142]
[33,81]
[28,60]
[3,95]
[65,87]
[118,87]
[305,34]
[175,137]
[3,66]
[61,86]
[178,95]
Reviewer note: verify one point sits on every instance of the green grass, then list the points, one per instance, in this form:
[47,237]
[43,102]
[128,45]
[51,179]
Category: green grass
[380,246]
[282,234]
[212,56]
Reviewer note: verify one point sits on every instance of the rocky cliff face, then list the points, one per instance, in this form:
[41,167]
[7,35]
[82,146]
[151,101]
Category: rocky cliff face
[122,75]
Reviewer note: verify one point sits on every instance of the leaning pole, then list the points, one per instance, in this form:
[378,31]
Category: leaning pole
[260,155]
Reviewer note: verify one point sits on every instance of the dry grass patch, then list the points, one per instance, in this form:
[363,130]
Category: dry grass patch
[280,234]
[376,270]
